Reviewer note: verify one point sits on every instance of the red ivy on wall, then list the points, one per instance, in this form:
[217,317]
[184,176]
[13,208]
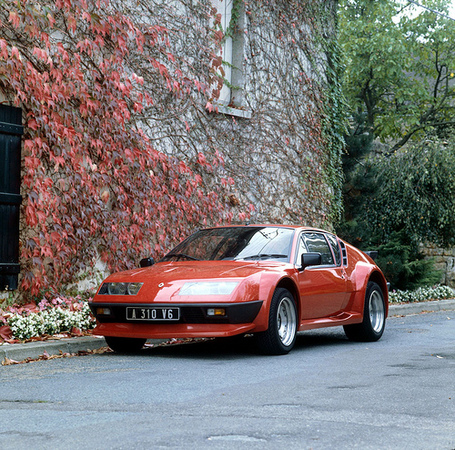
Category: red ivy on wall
[94,186]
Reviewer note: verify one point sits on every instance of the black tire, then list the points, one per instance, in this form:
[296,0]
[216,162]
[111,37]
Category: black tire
[374,315]
[281,334]
[125,345]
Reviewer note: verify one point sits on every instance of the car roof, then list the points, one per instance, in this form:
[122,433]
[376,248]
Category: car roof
[296,227]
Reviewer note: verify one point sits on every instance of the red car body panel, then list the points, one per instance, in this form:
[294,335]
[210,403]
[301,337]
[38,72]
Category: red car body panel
[325,296]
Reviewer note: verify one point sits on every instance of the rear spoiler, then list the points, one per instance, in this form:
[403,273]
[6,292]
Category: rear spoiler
[373,254]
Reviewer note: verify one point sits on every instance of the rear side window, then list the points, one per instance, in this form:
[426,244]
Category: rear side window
[316,242]
[335,247]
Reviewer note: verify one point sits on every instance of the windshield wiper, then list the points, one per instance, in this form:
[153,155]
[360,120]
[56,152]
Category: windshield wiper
[182,255]
[264,256]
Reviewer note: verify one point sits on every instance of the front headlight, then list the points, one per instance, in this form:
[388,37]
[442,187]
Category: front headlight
[208,288]
[133,288]
[116,288]
[120,288]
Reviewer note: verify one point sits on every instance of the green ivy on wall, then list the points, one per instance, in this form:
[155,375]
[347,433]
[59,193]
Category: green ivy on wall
[334,125]
[235,15]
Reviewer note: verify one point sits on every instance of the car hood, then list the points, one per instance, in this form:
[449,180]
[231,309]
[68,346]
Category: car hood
[163,281]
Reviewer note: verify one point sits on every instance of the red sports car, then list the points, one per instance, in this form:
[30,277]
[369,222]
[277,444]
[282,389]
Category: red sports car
[267,280]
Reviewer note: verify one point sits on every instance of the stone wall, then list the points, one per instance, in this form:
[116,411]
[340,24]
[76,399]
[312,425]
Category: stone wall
[277,156]
[269,129]
[444,259]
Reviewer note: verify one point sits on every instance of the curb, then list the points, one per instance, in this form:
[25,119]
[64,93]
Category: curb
[407,309]
[33,350]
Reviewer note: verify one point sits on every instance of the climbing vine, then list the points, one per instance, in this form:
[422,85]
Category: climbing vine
[292,166]
[89,77]
[334,124]
[235,16]
[124,150]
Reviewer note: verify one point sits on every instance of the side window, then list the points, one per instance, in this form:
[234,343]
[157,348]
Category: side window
[316,242]
[335,247]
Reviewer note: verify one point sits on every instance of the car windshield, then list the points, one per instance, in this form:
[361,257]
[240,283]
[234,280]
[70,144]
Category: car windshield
[235,243]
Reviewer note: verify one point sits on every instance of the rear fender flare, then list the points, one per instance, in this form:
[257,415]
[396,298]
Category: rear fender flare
[363,274]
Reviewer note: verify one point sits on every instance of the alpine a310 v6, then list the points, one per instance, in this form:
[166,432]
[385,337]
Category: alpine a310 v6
[270,281]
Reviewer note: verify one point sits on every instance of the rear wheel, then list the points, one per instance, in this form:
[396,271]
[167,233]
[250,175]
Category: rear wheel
[280,336]
[373,324]
[125,345]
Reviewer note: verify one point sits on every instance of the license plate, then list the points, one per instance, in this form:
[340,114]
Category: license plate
[151,314]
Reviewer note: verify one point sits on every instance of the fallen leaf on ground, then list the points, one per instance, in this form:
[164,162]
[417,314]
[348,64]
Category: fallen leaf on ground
[9,362]
[45,356]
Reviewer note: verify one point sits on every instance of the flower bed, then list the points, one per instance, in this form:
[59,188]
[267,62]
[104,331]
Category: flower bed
[422,294]
[59,315]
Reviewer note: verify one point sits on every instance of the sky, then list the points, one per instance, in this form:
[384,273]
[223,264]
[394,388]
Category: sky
[452,10]
[413,9]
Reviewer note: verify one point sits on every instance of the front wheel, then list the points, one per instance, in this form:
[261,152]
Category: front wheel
[281,334]
[125,345]
[374,312]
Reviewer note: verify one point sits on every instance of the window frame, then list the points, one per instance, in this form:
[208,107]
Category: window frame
[224,7]
[337,243]
[301,240]
[231,99]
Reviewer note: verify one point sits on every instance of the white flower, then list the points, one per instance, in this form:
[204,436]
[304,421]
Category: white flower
[50,321]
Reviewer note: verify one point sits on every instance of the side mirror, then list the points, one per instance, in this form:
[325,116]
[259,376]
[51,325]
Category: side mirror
[311,259]
[147,262]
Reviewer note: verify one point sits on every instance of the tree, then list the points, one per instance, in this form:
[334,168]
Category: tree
[416,193]
[400,67]
[409,198]
[88,75]
[400,88]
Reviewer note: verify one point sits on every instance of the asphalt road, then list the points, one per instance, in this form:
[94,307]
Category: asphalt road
[327,393]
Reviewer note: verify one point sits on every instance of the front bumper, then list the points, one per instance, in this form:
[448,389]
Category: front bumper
[193,313]
[193,322]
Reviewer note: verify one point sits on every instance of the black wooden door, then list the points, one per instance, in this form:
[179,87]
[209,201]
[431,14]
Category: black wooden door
[11,131]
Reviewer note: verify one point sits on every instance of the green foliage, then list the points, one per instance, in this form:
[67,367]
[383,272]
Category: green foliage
[357,170]
[398,201]
[358,145]
[235,15]
[399,84]
[399,67]
[334,126]
[403,265]
[416,192]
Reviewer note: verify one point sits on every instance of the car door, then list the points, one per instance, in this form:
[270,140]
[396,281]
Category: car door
[323,288]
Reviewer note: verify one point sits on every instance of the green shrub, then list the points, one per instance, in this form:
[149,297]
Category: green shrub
[404,266]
